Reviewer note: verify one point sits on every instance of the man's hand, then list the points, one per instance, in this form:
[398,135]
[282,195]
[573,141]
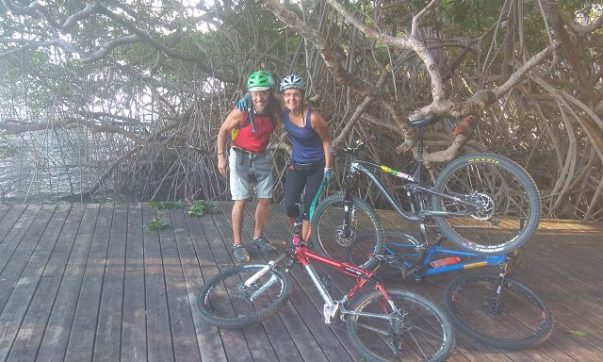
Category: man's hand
[222,165]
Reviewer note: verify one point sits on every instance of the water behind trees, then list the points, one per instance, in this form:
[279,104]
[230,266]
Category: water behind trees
[48,166]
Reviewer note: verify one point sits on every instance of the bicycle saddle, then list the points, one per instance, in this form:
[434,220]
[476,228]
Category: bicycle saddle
[425,121]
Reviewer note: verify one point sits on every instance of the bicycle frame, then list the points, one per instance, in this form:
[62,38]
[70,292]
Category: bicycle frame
[414,187]
[435,251]
[303,255]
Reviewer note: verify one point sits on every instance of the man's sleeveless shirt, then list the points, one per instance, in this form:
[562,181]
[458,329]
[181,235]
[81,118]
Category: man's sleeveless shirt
[255,142]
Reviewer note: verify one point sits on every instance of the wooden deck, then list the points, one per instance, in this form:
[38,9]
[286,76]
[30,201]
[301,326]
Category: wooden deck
[88,282]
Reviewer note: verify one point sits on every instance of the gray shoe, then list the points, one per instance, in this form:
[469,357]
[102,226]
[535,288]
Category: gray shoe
[239,254]
[263,244]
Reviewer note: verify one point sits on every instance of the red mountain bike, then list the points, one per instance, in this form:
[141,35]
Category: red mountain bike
[383,325]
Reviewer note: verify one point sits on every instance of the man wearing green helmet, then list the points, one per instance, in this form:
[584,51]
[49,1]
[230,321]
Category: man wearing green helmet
[249,161]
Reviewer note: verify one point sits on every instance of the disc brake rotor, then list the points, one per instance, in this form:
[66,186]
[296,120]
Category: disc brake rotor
[342,239]
[486,206]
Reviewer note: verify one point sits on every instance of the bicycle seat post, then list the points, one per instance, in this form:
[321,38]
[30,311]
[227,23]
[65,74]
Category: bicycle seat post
[419,170]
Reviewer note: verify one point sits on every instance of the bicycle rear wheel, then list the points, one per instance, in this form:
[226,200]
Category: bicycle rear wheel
[225,301]
[337,225]
[418,331]
[509,210]
[515,319]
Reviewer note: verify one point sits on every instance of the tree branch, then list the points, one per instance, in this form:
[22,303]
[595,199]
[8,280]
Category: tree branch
[584,30]
[326,50]
[412,42]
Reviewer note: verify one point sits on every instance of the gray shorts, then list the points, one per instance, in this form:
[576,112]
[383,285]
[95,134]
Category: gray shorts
[243,188]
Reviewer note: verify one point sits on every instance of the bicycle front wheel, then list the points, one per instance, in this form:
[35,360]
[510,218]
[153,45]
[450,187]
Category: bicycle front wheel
[505,209]
[512,318]
[417,330]
[341,227]
[225,300]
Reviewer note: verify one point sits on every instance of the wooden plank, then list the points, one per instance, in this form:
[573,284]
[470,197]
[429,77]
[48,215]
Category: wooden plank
[234,341]
[18,289]
[107,343]
[188,234]
[576,324]
[85,320]
[159,340]
[56,336]
[26,287]
[199,239]
[59,237]
[133,335]
[4,209]
[9,221]
[228,344]
[15,236]
[219,235]
[181,326]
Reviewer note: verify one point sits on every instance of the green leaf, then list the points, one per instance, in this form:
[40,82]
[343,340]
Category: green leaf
[577,333]
[156,224]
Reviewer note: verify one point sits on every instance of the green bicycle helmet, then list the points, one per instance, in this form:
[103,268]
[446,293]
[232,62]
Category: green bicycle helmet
[260,81]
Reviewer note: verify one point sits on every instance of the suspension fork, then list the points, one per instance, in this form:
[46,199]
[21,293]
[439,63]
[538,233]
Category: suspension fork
[502,276]
[348,204]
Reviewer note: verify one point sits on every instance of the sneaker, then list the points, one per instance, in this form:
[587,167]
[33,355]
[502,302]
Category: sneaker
[262,243]
[239,254]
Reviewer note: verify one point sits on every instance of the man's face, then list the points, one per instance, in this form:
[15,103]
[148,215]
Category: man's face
[260,100]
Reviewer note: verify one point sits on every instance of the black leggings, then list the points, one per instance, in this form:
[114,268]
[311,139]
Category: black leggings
[308,175]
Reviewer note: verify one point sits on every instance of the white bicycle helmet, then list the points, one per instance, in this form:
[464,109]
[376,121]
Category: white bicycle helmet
[292,81]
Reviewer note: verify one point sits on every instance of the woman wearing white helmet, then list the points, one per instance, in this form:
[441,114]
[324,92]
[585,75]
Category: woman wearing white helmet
[311,159]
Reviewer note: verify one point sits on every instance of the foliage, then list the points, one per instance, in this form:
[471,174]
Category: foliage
[156,224]
[201,207]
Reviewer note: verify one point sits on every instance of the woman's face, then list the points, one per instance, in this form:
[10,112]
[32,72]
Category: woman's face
[293,99]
